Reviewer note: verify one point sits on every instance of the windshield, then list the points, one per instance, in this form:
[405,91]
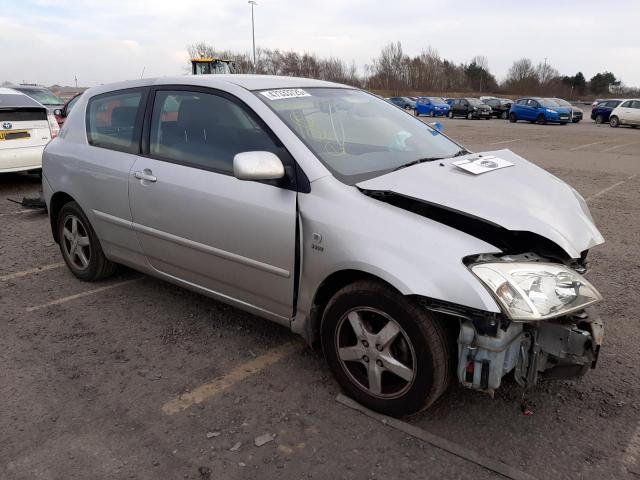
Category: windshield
[474,101]
[45,97]
[436,100]
[354,134]
[548,102]
[561,102]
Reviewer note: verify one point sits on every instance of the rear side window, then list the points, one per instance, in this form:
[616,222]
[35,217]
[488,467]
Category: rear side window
[627,104]
[112,120]
[204,130]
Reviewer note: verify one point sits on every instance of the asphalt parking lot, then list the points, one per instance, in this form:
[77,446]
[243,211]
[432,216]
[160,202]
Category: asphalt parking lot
[137,378]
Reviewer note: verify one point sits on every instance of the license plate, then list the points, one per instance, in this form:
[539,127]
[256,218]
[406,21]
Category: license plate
[14,134]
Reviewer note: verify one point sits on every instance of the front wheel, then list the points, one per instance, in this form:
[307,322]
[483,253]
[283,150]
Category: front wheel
[542,120]
[504,115]
[450,115]
[614,121]
[469,116]
[386,351]
[80,246]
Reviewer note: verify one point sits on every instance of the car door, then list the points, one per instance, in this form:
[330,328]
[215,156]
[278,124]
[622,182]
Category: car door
[624,111]
[98,171]
[464,107]
[199,225]
[634,112]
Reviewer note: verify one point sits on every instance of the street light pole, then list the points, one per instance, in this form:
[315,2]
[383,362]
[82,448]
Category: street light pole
[253,34]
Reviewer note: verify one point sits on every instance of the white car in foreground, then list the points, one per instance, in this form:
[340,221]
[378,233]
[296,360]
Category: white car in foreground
[25,128]
[627,113]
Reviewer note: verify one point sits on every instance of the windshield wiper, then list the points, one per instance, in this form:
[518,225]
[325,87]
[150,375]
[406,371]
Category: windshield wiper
[461,153]
[416,162]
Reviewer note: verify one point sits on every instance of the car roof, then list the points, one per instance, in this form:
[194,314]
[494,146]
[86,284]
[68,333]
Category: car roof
[250,82]
[29,87]
[10,98]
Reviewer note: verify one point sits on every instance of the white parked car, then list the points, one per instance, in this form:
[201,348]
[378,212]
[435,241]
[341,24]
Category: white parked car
[25,128]
[627,113]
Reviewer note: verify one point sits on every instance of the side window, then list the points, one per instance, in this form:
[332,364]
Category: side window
[533,103]
[111,120]
[626,104]
[521,102]
[204,130]
[635,104]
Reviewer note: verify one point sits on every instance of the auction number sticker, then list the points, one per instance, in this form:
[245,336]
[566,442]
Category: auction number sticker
[285,93]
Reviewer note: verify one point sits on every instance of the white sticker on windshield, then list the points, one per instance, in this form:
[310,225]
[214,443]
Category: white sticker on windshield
[285,93]
[482,164]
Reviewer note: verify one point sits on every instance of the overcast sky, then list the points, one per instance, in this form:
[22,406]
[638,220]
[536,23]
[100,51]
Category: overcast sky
[100,41]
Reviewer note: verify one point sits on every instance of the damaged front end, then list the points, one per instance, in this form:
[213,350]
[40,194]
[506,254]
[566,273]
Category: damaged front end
[547,328]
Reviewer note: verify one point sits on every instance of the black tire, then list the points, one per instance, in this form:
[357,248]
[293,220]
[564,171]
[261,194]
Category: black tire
[97,266]
[431,114]
[614,121]
[415,112]
[504,115]
[450,114]
[513,118]
[422,335]
[542,120]
[599,119]
[407,107]
[470,116]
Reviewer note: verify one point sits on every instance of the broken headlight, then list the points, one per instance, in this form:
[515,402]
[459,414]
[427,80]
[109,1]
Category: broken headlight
[536,291]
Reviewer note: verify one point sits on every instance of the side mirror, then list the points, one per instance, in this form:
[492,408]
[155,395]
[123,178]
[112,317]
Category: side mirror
[257,166]
[58,112]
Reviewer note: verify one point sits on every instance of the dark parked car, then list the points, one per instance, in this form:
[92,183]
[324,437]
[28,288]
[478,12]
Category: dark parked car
[42,95]
[403,102]
[499,108]
[472,108]
[576,113]
[600,113]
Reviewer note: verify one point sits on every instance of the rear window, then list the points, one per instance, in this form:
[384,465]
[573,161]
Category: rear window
[111,120]
[42,95]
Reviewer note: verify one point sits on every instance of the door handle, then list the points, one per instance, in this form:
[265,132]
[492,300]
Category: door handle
[145,175]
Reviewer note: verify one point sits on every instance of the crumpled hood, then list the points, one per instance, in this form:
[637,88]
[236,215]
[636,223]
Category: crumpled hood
[522,197]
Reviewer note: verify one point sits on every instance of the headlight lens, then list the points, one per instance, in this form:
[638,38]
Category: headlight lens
[536,291]
[551,110]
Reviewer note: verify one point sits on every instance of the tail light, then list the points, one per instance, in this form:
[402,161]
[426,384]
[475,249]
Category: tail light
[54,128]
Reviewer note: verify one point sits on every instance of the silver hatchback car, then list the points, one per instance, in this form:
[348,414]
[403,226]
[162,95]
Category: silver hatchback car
[409,259]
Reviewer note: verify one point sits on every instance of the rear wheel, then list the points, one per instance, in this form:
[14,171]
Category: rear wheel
[504,115]
[614,121]
[450,114]
[80,246]
[513,118]
[386,351]
[470,116]
[599,119]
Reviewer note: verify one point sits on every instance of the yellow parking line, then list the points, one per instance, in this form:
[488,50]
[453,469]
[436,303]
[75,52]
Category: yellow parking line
[239,373]
[24,273]
[81,295]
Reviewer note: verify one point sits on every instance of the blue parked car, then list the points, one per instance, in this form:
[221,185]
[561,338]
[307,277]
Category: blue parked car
[539,110]
[403,102]
[432,106]
[601,112]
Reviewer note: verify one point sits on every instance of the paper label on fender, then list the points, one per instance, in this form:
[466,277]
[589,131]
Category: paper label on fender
[482,164]
[283,93]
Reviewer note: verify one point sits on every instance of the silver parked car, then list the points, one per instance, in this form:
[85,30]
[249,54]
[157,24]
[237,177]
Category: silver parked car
[319,206]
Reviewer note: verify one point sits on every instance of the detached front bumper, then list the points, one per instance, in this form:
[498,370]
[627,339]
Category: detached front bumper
[565,347]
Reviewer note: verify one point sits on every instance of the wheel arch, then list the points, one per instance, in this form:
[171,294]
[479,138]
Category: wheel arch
[58,200]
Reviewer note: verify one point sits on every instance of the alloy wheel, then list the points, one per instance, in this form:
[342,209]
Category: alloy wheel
[375,352]
[76,242]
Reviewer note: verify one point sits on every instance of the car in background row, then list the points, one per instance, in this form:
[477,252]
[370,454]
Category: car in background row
[432,106]
[403,102]
[627,113]
[42,95]
[601,112]
[25,128]
[539,110]
[471,108]
[597,101]
[62,113]
[499,107]
[576,113]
